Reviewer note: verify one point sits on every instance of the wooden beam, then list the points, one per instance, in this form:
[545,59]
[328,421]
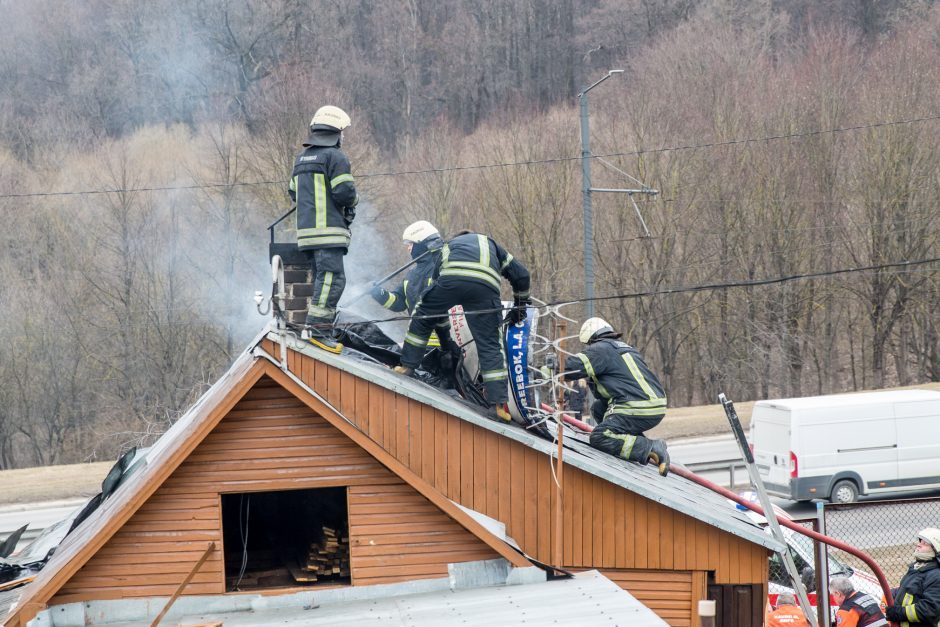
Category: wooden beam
[182,586]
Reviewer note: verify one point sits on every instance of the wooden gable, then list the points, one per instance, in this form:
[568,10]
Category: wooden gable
[664,557]
[272,441]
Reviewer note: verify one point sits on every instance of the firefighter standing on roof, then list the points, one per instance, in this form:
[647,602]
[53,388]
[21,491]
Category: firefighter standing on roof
[917,601]
[471,266]
[630,398]
[324,192]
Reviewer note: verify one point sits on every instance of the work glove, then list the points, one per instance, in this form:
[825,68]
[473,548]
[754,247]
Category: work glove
[349,214]
[518,313]
[379,293]
[896,614]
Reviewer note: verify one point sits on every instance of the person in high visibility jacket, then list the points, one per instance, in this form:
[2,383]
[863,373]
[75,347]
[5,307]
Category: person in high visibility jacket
[324,192]
[469,274]
[787,614]
[856,609]
[425,244]
[917,601]
[630,398]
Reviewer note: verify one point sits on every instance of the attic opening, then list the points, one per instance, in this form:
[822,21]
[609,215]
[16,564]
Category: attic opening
[285,539]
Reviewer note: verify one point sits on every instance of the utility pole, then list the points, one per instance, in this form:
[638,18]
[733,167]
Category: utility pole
[586,190]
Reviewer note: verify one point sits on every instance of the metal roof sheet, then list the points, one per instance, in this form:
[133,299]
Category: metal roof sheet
[671,491]
[589,598]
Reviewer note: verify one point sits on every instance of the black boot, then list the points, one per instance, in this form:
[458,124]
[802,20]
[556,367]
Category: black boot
[320,334]
[659,456]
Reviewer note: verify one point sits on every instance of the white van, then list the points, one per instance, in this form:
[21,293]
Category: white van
[844,445]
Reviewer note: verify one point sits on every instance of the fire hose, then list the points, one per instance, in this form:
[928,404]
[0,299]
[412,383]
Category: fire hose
[685,473]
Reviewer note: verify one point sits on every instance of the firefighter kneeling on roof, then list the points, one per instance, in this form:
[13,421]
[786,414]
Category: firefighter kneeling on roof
[630,399]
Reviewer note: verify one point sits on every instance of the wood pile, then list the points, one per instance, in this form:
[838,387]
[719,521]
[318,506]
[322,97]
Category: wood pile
[326,559]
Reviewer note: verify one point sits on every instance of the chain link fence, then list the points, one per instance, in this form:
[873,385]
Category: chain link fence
[885,530]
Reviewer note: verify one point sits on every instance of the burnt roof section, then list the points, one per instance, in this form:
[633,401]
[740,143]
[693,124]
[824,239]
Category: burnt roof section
[671,491]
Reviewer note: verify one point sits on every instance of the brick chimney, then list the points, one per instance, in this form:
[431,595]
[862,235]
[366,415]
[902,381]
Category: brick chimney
[298,280]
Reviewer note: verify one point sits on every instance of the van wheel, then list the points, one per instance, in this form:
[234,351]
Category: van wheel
[844,492]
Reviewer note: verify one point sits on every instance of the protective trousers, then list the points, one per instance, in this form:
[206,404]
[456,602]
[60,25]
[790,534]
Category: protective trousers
[620,436]
[473,296]
[329,280]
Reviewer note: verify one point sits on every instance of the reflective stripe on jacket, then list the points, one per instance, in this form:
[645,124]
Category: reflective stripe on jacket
[919,594]
[406,296]
[478,258]
[619,375]
[323,189]
[865,607]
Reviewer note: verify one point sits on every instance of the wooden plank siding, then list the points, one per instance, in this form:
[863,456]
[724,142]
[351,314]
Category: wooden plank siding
[672,594]
[604,525]
[396,535]
[270,440]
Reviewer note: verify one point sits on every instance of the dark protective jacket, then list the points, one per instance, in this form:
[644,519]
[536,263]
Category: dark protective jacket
[866,608]
[478,258]
[419,278]
[919,594]
[325,194]
[618,375]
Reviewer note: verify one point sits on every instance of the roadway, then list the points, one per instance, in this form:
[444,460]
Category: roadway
[37,515]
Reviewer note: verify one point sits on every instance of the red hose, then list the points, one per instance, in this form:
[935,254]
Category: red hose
[865,557]
[571,420]
[714,487]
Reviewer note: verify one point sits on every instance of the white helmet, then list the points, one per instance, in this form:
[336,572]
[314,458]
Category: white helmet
[419,231]
[330,116]
[593,327]
[931,535]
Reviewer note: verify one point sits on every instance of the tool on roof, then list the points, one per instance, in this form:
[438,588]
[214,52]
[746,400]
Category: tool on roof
[769,512]
[387,277]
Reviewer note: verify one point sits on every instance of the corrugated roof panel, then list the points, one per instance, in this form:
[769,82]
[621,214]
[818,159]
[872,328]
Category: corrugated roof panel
[587,599]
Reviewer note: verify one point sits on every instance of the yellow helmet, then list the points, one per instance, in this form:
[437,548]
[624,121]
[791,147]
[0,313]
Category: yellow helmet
[329,118]
[593,327]
[932,536]
[419,231]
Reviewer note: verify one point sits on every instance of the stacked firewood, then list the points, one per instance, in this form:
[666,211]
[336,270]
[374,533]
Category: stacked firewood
[328,557]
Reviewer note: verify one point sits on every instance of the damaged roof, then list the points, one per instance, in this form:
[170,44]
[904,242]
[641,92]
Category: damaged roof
[671,491]
[178,442]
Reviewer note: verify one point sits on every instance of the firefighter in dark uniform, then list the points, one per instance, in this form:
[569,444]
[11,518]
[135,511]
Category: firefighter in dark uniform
[917,601]
[630,399]
[324,192]
[856,609]
[425,245]
[469,274]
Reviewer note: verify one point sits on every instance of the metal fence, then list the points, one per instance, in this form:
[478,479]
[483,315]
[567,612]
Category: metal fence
[886,530]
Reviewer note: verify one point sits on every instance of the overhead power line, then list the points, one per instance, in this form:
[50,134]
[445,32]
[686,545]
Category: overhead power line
[505,164]
[898,267]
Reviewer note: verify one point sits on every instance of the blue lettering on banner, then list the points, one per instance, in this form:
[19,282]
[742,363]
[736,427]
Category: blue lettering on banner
[517,349]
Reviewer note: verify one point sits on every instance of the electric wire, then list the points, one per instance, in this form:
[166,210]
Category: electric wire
[506,164]
[901,267]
